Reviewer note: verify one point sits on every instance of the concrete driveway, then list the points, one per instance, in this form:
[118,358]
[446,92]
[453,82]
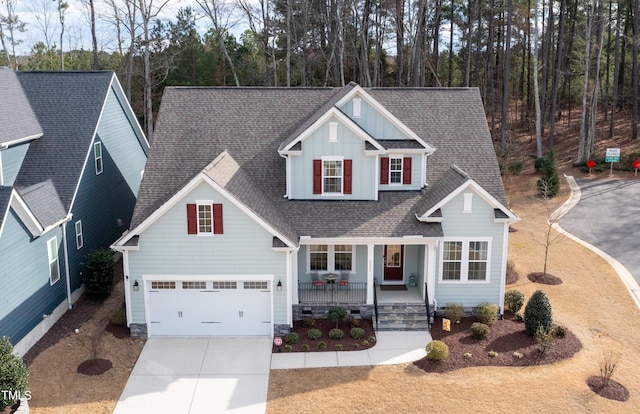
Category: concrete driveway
[606,214]
[199,375]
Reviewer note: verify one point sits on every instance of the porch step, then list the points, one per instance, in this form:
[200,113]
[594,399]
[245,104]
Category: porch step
[402,317]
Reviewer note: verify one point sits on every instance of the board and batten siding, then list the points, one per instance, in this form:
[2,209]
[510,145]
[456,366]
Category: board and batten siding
[347,145]
[25,270]
[357,276]
[373,122]
[416,174]
[10,162]
[243,249]
[467,226]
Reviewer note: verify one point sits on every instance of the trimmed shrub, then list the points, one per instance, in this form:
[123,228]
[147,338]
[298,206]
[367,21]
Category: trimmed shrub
[305,347]
[365,343]
[354,323]
[487,313]
[314,334]
[513,300]
[336,333]
[98,273]
[288,347]
[13,375]
[545,339]
[453,311]
[538,313]
[291,338]
[308,322]
[479,330]
[337,314]
[437,351]
[322,345]
[372,339]
[339,347]
[357,333]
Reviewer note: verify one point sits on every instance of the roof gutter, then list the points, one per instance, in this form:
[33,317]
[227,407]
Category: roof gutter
[20,141]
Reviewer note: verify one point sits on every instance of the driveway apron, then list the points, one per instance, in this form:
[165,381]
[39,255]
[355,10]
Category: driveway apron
[607,216]
[198,376]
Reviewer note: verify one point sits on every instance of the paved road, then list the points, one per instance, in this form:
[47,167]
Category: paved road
[608,217]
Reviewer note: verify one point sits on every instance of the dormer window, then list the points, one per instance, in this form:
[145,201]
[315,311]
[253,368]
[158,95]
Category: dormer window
[332,176]
[395,171]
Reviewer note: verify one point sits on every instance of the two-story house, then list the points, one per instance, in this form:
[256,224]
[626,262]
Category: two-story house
[262,205]
[71,160]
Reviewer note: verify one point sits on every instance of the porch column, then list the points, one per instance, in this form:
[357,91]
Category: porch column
[292,269]
[430,268]
[370,274]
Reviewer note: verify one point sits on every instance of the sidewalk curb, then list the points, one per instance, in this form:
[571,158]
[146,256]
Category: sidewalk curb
[623,273]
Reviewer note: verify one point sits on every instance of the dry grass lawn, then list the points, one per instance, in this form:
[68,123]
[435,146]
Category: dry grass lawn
[592,302]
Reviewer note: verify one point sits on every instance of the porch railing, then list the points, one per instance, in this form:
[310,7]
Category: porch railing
[426,305]
[375,302]
[355,293]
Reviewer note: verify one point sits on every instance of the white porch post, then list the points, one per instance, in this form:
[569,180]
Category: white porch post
[292,283]
[127,286]
[430,268]
[370,274]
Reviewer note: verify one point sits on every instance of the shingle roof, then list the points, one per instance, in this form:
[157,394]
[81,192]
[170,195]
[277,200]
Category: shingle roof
[68,106]
[196,125]
[17,120]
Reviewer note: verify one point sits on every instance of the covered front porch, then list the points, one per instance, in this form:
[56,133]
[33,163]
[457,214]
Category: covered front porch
[357,294]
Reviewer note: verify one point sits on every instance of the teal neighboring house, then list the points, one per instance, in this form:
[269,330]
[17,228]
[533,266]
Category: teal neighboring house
[72,156]
[260,206]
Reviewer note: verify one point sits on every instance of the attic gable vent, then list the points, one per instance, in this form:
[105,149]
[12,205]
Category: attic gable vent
[357,107]
[333,132]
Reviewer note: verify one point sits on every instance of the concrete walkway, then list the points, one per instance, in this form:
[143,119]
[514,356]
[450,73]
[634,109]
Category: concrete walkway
[605,218]
[231,375]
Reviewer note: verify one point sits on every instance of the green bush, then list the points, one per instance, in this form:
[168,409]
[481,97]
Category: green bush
[519,317]
[513,300]
[339,347]
[549,182]
[545,339]
[559,331]
[479,330]
[538,313]
[291,338]
[357,333]
[314,334]
[305,347]
[13,375]
[437,351]
[516,167]
[308,322]
[336,333]
[453,311]
[337,314]
[98,273]
[322,345]
[354,323]
[487,313]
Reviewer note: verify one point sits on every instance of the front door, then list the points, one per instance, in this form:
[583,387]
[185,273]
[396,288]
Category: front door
[393,259]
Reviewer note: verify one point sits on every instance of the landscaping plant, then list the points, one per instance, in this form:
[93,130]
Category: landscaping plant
[608,364]
[337,314]
[479,330]
[513,300]
[291,338]
[98,273]
[13,375]
[487,313]
[538,313]
[357,333]
[453,311]
[437,351]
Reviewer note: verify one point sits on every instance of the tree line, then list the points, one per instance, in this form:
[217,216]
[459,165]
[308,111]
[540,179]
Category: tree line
[534,61]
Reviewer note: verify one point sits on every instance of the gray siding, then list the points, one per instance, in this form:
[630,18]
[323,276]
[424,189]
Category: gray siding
[416,175]
[243,249]
[318,145]
[371,120]
[25,270]
[10,162]
[477,224]
[359,276]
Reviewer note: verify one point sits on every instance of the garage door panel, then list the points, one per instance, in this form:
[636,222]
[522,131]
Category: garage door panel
[209,308]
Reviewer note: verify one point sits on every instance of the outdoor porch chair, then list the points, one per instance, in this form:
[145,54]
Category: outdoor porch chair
[344,279]
[315,280]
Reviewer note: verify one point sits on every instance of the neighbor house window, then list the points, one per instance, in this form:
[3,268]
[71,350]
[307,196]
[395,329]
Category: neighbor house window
[97,155]
[465,260]
[52,253]
[332,176]
[395,171]
[79,238]
[331,258]
[205,219]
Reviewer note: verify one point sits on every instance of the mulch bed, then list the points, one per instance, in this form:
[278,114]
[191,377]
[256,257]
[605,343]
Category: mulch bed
[505,337]
[117,330]
[544,278]
[512,277]
[325,325]
[613,390]
[96,366]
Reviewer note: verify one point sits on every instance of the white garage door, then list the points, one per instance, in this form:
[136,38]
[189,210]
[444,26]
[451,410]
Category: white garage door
[209,308]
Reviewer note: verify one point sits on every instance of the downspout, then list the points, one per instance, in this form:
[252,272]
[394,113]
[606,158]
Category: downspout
[66,260]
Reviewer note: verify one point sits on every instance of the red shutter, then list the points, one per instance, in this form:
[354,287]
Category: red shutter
[317,176]
[192,219]
[347,176]
[384,170]
[218,228]
[406,170]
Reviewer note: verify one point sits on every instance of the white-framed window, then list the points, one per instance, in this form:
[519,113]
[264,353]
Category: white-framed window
[465,260]
[205,218]
[332,174]
[52,254]
[97,155]
[395,170]
[323,257]
[79,238]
